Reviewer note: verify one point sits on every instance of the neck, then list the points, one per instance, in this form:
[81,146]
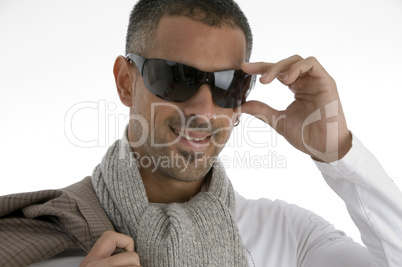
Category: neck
[162,189]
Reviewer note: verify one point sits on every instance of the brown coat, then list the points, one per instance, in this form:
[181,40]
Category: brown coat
[38,225]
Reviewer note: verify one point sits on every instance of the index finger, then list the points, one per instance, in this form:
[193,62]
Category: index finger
[109,241]
[269,71]
[256,67]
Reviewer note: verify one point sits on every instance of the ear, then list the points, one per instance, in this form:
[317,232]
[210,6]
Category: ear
[124,77]
[237,120]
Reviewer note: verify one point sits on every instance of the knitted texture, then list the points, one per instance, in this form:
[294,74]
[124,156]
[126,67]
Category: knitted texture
[200,232]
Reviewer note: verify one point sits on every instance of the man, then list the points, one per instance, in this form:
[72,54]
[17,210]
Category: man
[185,79]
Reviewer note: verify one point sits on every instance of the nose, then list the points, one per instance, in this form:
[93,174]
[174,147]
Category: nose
[201,104]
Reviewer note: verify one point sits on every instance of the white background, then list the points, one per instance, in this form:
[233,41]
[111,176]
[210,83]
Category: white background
[56,56]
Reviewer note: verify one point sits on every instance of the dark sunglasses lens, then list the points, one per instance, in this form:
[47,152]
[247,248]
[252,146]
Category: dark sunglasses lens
[176,82]
[231,88]
[170,80]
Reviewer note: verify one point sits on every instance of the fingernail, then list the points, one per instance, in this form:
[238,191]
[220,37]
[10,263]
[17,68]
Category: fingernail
[282,76]
[264,75]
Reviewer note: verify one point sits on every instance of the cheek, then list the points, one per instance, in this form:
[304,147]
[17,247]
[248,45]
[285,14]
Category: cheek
[140,112]
[226,119]
[145,104]
[163,115]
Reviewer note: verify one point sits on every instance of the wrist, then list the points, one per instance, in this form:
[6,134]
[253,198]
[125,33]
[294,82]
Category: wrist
[344,146]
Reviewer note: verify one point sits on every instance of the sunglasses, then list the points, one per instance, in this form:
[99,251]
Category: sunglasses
[177,82]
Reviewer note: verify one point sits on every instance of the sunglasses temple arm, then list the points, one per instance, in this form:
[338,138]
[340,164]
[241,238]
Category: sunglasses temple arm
[139,61]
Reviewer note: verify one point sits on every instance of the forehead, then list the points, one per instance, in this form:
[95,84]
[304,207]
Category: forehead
[191,42]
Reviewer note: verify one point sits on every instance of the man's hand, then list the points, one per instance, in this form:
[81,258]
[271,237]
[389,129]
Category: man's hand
[101,253]
[314,123]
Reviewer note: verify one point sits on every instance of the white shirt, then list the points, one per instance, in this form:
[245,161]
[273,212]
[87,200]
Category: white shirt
[277,234]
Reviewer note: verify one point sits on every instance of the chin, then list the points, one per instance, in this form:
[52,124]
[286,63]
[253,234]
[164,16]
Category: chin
[188,174]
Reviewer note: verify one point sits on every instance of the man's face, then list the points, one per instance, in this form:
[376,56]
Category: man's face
[182,138]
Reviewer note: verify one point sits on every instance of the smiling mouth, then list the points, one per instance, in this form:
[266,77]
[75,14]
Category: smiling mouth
[193,137]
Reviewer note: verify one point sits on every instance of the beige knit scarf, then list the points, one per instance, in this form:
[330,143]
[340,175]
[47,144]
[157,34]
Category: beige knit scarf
[200,232]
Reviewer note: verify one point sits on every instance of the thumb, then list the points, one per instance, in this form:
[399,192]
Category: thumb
[261,111]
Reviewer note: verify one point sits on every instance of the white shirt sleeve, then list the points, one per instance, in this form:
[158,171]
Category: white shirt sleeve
[373,201]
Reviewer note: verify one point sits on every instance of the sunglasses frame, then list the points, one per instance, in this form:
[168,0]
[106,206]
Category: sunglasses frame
[140,61]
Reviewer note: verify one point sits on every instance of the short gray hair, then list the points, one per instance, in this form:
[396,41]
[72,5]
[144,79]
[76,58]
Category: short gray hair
[146,14]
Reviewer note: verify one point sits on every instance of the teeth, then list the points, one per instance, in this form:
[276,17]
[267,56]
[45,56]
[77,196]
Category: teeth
[188,137]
